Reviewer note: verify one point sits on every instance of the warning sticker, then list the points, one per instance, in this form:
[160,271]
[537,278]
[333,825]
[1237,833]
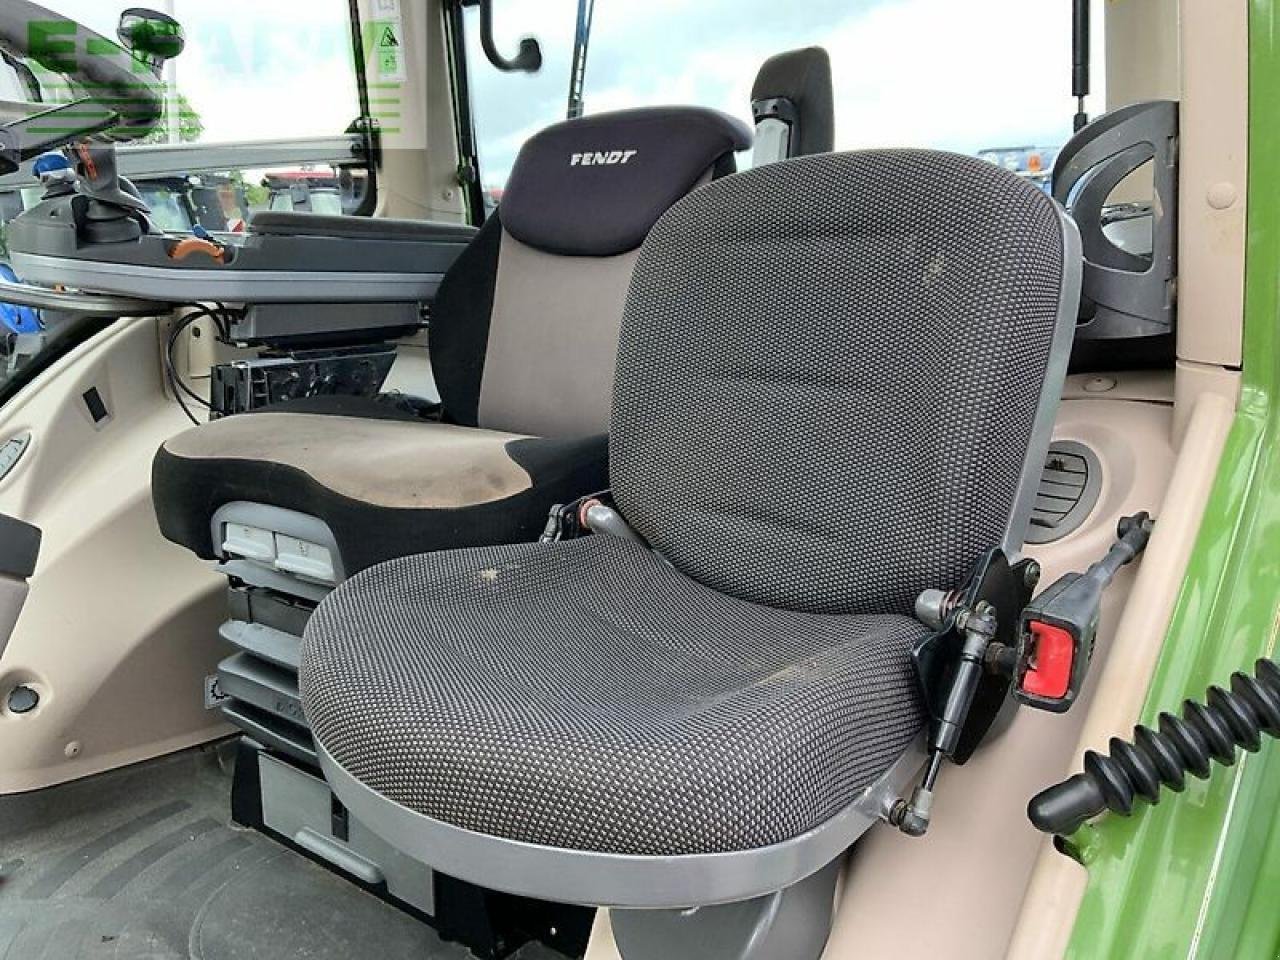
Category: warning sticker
[388,51]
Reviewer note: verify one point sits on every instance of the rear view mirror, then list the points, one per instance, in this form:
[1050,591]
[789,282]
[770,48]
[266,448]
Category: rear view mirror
[152,37]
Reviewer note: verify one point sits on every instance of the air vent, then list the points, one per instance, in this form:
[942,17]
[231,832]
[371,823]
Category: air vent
[1068,491]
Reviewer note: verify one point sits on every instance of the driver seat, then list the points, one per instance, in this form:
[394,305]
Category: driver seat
[524,332]
[836,384]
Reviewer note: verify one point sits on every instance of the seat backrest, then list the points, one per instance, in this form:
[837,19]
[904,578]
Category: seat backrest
[524,329]
[838,375]
[794,106]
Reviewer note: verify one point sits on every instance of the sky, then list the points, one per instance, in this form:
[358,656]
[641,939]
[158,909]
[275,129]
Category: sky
[954,74]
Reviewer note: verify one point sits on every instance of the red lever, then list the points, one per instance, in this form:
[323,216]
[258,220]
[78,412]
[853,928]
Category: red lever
[1049,674]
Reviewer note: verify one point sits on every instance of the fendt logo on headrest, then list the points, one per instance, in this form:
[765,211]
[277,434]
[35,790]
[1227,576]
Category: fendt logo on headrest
[608,158]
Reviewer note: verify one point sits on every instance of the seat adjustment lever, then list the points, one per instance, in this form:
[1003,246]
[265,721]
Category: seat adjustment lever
[595,514]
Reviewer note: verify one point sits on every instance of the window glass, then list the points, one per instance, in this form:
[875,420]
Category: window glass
[251,70]
[279,70]
[168,207]
[326,202]
[11,84]
[982,75]
[509,108]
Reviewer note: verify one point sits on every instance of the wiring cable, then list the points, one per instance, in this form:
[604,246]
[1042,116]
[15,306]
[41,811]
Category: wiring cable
[222,318]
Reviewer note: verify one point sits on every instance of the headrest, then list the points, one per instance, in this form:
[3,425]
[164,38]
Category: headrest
[802,77]
[594,186]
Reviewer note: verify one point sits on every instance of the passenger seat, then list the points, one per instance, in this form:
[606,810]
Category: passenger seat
[524,337]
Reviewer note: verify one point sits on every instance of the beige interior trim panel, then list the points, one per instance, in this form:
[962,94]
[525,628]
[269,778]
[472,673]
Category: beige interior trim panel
[981,846]
[1213,179]
[418,179]
[1057,885]
[117,635]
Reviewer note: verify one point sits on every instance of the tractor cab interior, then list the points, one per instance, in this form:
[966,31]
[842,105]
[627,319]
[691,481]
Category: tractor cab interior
[695,547]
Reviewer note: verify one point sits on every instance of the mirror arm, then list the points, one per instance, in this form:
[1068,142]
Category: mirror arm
[527,60]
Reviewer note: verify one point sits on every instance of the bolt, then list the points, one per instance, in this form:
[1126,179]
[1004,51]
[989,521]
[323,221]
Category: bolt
[913,818]
[897,812]
[1031,575]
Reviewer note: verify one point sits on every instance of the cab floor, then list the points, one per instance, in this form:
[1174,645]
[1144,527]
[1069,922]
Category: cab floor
[144,864]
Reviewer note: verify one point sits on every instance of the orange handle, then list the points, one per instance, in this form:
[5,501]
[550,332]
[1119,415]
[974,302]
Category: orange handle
[193,245]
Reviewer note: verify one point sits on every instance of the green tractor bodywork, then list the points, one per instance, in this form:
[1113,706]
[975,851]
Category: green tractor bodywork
[1198,875]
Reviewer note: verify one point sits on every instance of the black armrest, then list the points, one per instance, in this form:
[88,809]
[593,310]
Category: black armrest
[282,223]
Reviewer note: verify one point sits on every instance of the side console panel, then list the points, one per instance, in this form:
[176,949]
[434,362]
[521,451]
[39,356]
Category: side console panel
[115,636]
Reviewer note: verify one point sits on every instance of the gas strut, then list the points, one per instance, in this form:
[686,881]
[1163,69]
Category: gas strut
[1080,53]
[992,640]
[1163,757]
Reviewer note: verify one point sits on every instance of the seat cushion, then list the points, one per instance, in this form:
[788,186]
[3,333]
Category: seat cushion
[386,487]
[587,696]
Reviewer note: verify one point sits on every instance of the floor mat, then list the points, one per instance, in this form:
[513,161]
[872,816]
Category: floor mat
[144,864]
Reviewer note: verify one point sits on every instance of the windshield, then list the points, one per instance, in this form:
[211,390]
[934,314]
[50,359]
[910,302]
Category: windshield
[983,75]
[12,85]
[250,70]
[168,207]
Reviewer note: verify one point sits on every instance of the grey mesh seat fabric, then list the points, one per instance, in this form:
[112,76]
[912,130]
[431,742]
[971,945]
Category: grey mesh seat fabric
[836,381]
[524,334]
[480,710]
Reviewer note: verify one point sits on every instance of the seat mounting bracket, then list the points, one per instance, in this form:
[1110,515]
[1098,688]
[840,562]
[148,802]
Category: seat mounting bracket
[965,667]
